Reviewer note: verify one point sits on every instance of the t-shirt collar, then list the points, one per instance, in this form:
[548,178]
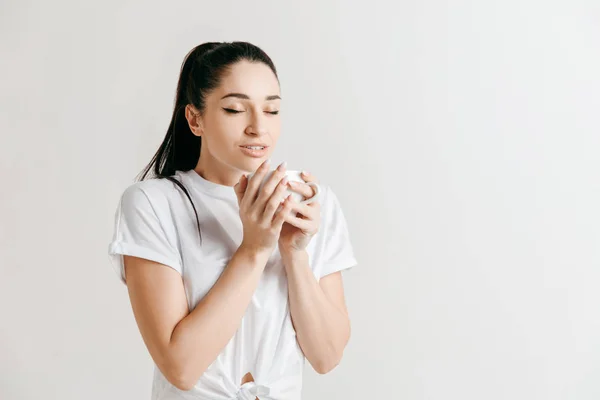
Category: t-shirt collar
[209,187]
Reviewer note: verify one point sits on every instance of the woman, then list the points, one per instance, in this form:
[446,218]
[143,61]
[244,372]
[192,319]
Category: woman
[230,291]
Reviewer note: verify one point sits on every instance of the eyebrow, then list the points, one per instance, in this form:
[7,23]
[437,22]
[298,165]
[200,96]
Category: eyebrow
[244,96]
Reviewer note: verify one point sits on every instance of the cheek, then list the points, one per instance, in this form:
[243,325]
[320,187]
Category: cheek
[226,131]
[275,128]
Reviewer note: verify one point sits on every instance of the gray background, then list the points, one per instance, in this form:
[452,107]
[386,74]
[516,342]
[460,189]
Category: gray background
[461,137]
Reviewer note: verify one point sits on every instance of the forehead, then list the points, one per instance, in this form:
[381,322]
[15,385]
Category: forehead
[254,79]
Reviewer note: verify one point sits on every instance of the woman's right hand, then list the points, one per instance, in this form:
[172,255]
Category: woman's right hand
[258,208]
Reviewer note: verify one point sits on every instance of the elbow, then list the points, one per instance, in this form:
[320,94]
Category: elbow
[186,379]
[183,370]
[178,379]
[185,382]
[326,366]
[181,378]
[182,382]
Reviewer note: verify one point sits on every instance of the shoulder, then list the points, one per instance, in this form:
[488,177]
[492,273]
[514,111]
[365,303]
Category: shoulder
[332,213]
[327,197]
[150,192]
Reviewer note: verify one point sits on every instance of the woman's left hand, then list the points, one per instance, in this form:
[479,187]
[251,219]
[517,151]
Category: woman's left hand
[303,221]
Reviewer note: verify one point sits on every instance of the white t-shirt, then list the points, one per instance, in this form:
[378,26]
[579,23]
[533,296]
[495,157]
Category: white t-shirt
[155,220]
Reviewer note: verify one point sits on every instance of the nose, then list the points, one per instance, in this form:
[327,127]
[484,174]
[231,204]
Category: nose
[257,124]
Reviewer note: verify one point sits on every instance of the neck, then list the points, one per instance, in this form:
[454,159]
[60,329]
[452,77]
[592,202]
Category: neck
[215,171]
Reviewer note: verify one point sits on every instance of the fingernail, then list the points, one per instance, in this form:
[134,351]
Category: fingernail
[268,161]
[282,166]
[305,173]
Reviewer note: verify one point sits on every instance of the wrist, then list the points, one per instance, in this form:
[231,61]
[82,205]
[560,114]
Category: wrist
[291,255]
[253,254]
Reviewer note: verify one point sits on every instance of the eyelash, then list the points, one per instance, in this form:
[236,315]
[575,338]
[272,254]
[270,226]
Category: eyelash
[230,111]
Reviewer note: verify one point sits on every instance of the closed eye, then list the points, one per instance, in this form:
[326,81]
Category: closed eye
[232,111]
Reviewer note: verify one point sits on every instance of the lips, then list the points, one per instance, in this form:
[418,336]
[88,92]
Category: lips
[258,153]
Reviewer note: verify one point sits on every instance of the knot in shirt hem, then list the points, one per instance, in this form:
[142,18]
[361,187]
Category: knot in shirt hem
[250,390]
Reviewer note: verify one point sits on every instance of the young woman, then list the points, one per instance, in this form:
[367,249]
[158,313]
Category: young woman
[230,291]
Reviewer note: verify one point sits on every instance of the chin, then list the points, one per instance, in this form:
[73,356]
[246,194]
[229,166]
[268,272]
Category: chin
[252,165]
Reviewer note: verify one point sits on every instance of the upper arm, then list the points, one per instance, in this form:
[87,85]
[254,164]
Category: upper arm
[158,301]
[145,256]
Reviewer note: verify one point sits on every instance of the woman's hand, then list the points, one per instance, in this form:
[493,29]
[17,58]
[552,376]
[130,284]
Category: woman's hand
[303,221]
[261,219]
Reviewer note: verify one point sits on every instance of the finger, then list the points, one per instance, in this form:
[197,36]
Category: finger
[280,215]
[309,211]
[255,181]
[308,177]
[240,187]
[305,190]
[306,225]
[269,186]
[275,200]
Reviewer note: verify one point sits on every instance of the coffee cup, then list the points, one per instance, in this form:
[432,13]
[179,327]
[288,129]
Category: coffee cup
[292,176]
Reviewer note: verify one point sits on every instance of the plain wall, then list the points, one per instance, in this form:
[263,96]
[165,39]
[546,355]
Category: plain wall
[461,137]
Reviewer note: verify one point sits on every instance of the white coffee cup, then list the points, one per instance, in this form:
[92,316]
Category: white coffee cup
[293,176]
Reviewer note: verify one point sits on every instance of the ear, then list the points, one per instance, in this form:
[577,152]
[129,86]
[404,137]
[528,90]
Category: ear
[194,120]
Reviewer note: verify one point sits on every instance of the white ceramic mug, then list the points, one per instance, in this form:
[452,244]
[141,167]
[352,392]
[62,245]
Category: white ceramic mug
[293,176]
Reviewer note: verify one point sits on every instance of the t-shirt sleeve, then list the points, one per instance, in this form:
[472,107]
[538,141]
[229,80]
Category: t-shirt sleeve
[138,232]
[336,252]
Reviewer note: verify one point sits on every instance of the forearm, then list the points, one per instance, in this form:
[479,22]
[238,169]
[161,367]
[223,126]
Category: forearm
[321,328]
[198,338]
